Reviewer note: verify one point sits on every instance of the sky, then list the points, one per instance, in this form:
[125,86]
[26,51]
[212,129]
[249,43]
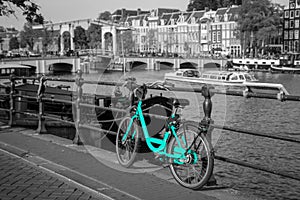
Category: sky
[64,10]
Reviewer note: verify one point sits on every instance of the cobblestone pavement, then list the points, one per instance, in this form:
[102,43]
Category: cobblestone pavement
[21,180]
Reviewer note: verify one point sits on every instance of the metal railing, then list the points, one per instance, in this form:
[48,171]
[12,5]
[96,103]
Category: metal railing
[78,104]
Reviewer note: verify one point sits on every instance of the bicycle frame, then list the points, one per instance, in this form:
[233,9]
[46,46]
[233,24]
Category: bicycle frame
[179,151]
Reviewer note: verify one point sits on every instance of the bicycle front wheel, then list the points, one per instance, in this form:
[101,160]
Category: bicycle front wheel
[127,149]
[195,173]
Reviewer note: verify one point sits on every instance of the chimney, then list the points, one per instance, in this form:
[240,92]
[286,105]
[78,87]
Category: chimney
[123,12]
[138,11]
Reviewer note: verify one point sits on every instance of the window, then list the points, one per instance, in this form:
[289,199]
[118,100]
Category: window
[297,23]
[291,35]
[297,13]
[241,77]
[219,36]
[234,77]
[214,37]
[292,24]
[292,14]
[296,34]
[286,14]
[249,78]
[286,24]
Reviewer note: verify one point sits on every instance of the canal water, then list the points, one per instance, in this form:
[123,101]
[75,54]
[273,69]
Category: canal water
[261,115]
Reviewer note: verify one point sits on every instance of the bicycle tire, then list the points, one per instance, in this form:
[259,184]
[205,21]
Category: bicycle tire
[205,160]
[126,153]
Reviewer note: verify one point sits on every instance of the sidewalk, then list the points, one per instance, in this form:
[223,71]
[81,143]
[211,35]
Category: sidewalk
[31,163]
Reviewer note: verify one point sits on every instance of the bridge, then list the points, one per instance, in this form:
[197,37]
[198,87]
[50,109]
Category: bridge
[155,63]
[43,65]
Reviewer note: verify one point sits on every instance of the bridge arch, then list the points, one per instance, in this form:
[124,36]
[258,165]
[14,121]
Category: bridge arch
[166,64]
[212,65]
[136,64]
[60,67]
[188,65]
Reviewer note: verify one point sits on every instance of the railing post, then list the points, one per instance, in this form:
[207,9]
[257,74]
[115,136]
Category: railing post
[207,121]
[79,84]
[11,101]
[40,94]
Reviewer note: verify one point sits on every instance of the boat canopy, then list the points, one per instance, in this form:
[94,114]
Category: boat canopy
[230,76]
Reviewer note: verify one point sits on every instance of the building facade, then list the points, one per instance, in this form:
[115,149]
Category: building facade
[187,34]
[291,27]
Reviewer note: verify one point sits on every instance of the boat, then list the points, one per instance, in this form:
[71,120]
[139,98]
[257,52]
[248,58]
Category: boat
[221,78]
[255,64]
[284,69]
[16,69]
[288,63]
[225,80]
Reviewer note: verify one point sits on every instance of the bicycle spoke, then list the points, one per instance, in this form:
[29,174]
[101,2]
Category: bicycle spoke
[126,147]
[198,167]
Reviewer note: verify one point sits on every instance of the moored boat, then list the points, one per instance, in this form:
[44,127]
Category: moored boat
[16,69]
[255,64]
[284,69]
[223,78]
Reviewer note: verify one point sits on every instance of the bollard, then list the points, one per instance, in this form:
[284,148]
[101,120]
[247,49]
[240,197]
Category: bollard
[207,121]
[79,84]
[40,94]
[11,100]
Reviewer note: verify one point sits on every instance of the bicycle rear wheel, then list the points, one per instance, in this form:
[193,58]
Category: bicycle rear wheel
[127,150]
[196,173]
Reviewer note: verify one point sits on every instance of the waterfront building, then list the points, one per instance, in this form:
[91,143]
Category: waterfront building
[291,27]
[181,33]
[224,37]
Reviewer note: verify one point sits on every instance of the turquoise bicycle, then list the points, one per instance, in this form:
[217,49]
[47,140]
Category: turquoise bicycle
[183,147]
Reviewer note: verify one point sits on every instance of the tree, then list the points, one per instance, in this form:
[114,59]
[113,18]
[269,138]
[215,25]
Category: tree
[105,16]
[80,38]
[29,9]
[28,36]
[258,20]
[211,4]
[93,34]
[125,37]
[14,43]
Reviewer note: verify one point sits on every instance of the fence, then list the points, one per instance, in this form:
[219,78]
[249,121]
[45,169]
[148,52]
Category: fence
[77,102]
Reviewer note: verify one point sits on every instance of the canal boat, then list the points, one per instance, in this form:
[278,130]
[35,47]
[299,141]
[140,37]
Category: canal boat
[284,69]
[288,63]
[255,64]
[15,69]
[224,78]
